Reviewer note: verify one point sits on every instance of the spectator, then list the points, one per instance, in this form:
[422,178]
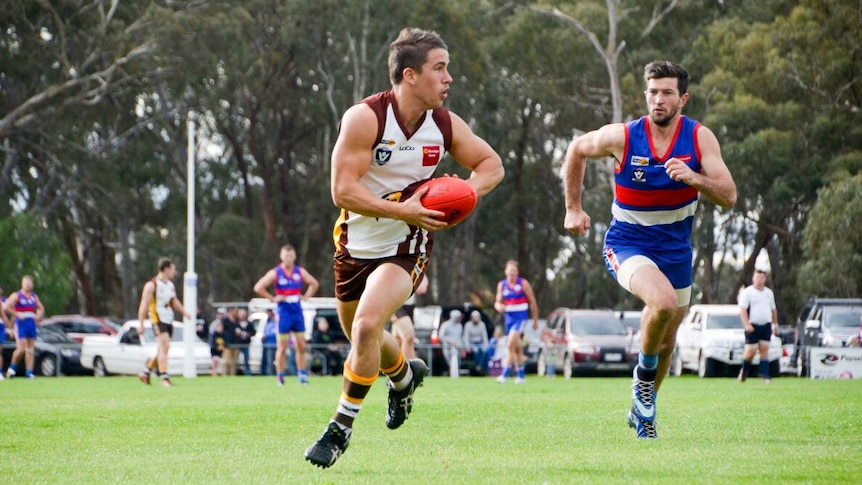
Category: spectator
[269,343]
[220,314]
[217,343]
[324,341]
[497,351]
[231,330]
[760,319]
[451,333]
[202,328]
[476,340]
[244,332]
[549,351]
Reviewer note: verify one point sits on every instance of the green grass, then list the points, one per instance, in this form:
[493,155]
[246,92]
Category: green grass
[470,430]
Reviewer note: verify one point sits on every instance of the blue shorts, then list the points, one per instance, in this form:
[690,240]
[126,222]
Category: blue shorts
[515,326]
[26,328]
[2,333]
[676,267]
[291,322]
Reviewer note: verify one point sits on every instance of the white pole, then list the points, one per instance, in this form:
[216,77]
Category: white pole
[190,278]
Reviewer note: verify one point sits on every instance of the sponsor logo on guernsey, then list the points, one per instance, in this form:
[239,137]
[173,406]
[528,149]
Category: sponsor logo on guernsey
[639,175]
[431,155]
[382,155]
[640,161]
[406,148]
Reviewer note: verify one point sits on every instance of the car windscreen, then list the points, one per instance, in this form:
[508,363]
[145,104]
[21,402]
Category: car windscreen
[848,317]
[723,321]
[597,325]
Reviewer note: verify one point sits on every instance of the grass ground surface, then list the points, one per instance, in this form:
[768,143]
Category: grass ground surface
[469,430]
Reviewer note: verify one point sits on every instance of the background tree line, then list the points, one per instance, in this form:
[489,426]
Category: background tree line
[95,96]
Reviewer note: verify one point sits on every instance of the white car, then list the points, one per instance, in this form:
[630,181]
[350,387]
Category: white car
[312,309]
[127,352]
[711,341]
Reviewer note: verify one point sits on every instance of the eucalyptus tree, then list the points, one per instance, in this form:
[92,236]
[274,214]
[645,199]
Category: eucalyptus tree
[785,97]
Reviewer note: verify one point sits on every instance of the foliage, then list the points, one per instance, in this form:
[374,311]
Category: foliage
[29,248]
[95,98]
[832,241]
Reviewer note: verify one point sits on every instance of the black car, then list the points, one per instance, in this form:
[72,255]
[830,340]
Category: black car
[825,322]
[56,354]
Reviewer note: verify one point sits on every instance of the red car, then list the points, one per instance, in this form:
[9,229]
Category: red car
[588,342]
[79,326]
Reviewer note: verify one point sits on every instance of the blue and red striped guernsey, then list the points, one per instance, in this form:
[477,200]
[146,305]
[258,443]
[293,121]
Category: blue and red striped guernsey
[26,306]
[650,209]
[288,285]
[515,300]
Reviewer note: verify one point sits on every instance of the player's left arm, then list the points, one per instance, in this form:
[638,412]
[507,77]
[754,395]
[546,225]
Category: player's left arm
[531,300]
[714,180]
[311,281]
[475,154]
[40,310]
[9,308]
[177,305]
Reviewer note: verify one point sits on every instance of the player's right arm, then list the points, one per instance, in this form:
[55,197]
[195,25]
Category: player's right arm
[498,300]
[608,140]
[351,159]
[265,282]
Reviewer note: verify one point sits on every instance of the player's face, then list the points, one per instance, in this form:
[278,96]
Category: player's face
[287,256]
[434,80]
[663,100]
[171,271]
[511,272]
[27,284]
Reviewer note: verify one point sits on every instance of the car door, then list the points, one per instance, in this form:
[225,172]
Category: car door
[688,338]
[131,354]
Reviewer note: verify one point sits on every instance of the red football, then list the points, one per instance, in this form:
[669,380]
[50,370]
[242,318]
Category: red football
[452,196]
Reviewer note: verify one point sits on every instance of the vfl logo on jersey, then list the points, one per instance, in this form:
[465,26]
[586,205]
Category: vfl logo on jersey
[640,161]
[382,155]
[430,155]
[639,175]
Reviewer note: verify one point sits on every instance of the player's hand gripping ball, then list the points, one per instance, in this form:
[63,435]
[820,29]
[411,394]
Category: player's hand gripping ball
[452,196]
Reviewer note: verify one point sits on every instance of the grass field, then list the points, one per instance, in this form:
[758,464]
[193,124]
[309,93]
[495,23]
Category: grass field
[470,430]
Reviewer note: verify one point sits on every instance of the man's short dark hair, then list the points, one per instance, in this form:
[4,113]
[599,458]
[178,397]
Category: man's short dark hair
[410,49]
[165,263]
[665,69]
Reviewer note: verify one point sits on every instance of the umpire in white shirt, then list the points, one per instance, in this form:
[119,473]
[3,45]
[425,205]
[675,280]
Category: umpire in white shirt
[760,319]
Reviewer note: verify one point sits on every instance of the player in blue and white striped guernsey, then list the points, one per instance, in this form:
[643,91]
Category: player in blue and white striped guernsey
[663,162]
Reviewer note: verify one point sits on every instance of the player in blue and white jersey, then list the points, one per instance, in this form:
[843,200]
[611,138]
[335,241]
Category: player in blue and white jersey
[663,162]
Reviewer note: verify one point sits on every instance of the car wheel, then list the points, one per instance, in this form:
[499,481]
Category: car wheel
[774,369]
[99,369]
[541,365]
[676,363]
[706,367]
[568,366]
[48,365]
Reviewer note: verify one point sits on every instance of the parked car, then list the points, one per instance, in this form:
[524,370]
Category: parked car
[589,342]
[79,326]
[825,322]
[312,309]
[56,354]
[631,319]
[711,340]
[126,352]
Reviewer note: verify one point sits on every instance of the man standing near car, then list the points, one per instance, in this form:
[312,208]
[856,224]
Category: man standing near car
[158,302]
[760,319]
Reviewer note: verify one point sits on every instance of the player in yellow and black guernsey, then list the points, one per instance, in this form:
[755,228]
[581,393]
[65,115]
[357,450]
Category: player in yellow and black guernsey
[158,302]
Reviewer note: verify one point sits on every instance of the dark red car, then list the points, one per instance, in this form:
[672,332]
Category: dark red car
[79,326]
